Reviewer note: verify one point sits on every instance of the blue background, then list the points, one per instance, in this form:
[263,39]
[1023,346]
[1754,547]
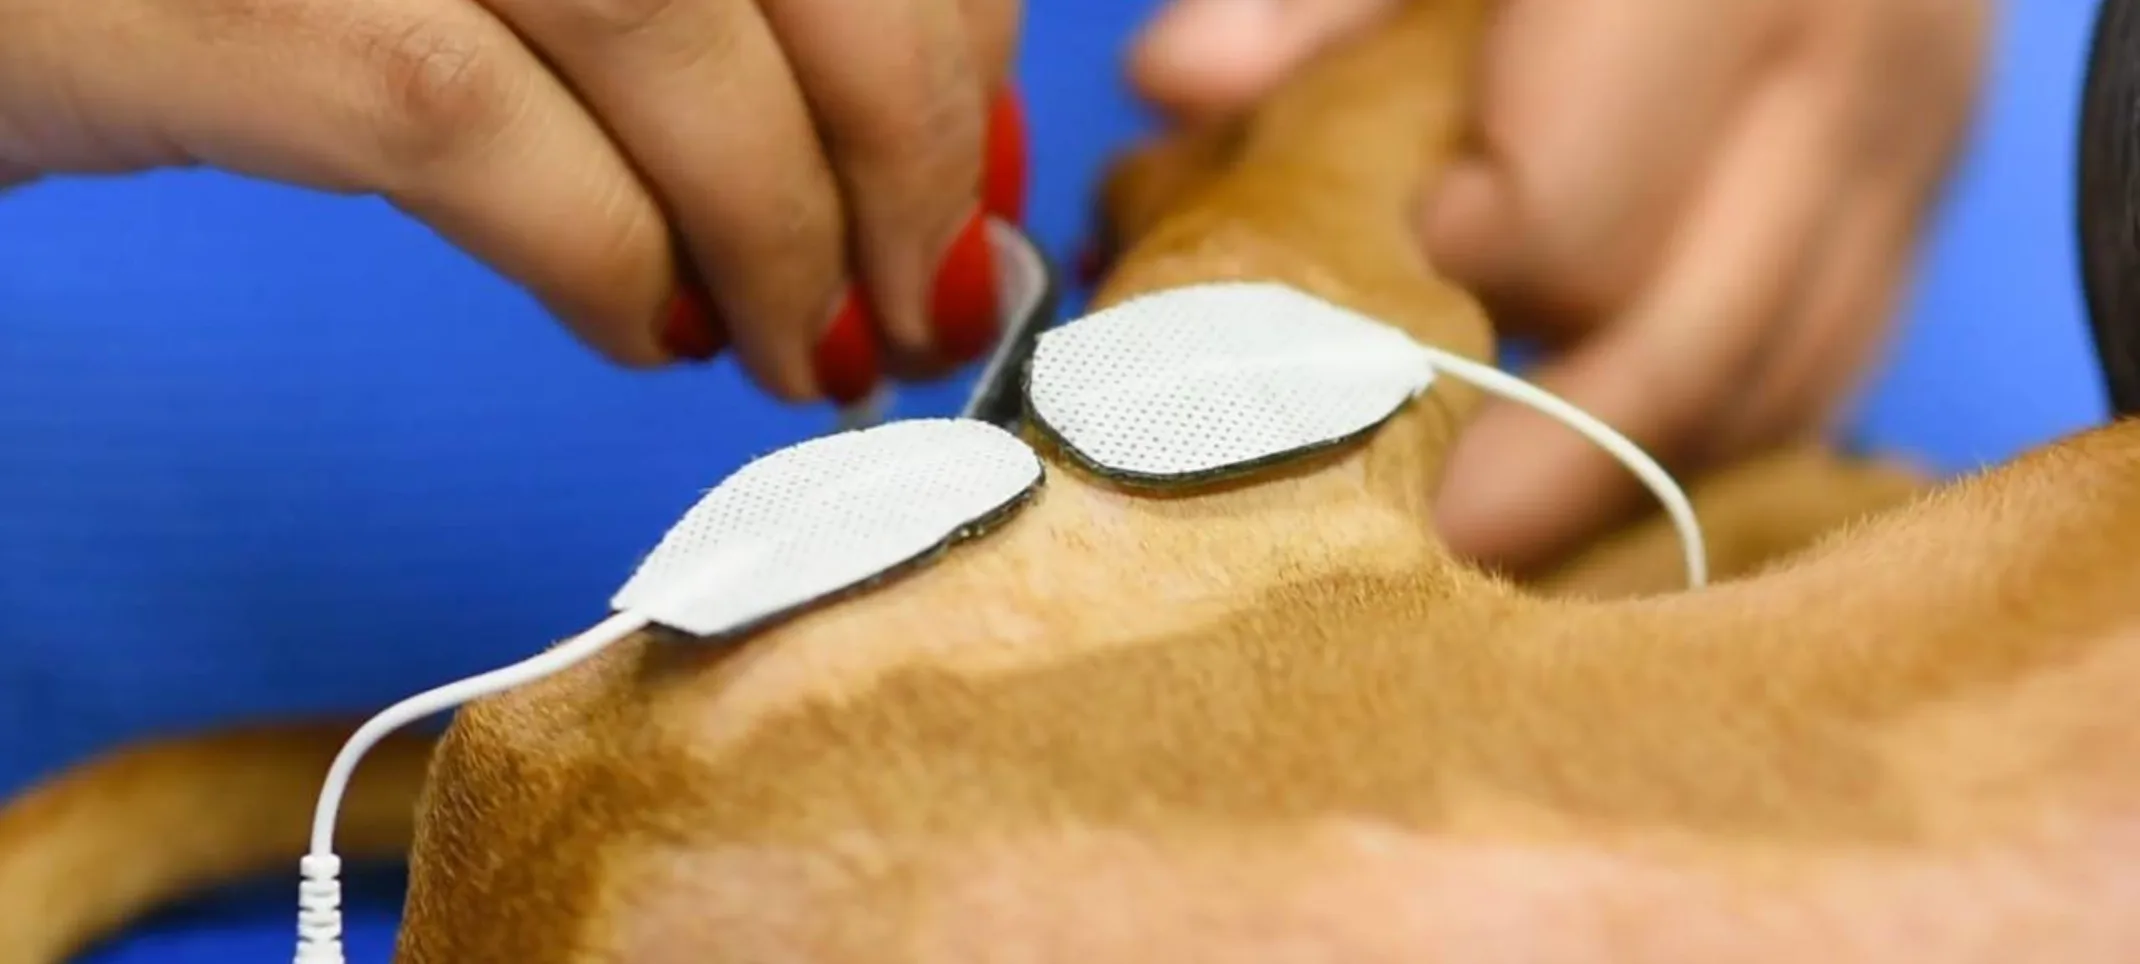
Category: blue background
[264,451]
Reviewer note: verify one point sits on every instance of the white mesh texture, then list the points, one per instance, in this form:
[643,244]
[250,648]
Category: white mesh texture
[812,520]
[1206,378]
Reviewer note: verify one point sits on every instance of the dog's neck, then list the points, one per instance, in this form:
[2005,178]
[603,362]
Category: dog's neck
[1288,208]
[1339,224]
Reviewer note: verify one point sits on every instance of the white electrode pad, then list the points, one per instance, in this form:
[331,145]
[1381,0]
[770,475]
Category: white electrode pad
[1214,379]
[1211,380]
[812,521]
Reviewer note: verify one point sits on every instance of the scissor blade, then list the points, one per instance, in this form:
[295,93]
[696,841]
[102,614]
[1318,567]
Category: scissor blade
[1030,289]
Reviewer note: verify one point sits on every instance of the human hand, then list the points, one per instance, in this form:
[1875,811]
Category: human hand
[604,153]
[1705,210]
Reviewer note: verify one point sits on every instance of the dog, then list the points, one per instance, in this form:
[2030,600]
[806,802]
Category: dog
[1271,718]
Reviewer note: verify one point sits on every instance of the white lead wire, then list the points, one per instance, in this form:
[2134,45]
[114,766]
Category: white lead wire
[1668,493]
[319,919]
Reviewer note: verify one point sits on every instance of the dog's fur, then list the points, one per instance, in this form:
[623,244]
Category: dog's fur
[1273,720]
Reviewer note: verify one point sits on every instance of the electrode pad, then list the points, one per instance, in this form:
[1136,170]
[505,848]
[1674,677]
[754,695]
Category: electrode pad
[1217,379]
[1212,380]
[810,522]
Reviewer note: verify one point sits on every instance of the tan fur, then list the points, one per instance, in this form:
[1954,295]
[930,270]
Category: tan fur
[1273,721]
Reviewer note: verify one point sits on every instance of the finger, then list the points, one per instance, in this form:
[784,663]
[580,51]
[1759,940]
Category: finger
[1202,59]
[992,28]
[12,175]
[1822,353]
[437,106]
[1521,489]
[901,109]
[992,33]
[1591,118]
[1906,136]
[705,104]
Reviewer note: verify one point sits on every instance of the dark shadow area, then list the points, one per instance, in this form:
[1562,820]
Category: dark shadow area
[2109,199]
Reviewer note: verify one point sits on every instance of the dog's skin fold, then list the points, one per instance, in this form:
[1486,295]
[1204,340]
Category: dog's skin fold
[1274,721]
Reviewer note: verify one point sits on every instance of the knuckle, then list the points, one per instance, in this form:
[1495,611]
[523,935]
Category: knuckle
[792,227]
[781,251]
[613,17]
[804,237]
[1582,276]
[937,125]
[922,166]
[432,89]
[628,237]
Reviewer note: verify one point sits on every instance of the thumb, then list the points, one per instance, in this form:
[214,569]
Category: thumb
[1200,59]
[1522,489]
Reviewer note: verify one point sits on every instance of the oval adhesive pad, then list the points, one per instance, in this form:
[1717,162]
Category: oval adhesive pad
[816,520]
[1212,380]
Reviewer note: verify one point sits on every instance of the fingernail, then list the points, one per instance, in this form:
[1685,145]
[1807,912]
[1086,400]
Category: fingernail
[963,305]
[846,360]
[1003,176]
[688,330]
